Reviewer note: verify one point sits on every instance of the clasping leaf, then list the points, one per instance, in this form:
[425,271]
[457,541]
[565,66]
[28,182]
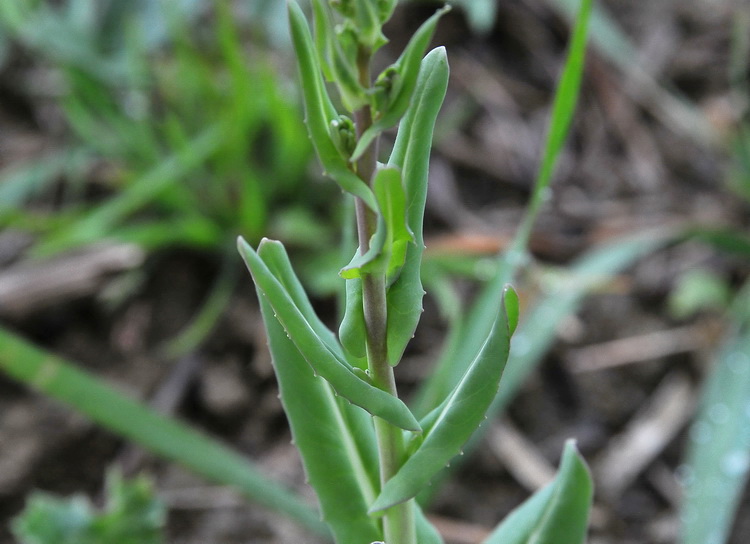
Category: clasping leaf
[336,440]
[314,347]
[556,513]
[449,426]
[394,88]
[320,113]
[388,246]
[411,155]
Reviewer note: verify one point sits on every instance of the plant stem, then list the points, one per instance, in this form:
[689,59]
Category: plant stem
[398,521]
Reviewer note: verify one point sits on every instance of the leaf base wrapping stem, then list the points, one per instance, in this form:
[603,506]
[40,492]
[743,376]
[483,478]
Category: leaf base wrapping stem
[399,526]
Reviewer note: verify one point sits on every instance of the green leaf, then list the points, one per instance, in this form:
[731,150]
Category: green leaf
[323,358]
[132,515]
[397,83]
[465,340]
[563,108]
[50,520]
[389,191]
[104,218]
[386,8]
[718,453]
[363,263]
[61,380]
[369,24]
[323,29]
[411,154]
[452,423]
[335,439]
[18,183]
[426,531]
[388,247]
[320,112]
[512,307]
[353,331]
[343,68]
[698,290]
[557,513]
[728,240]
[275,257]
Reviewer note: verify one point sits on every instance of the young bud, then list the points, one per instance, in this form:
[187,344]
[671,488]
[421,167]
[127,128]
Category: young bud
[344,7]
[344,135]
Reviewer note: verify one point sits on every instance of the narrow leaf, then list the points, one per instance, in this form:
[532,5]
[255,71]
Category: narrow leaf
[411,154]
[105,217]
[426,531]
[169,438]
[336,440]
[320,112]
[325,362]
[389,191]
[563,108]
[275,257]
[323,27]
[466,340]
[366,262]
[400,81]
[718,456]
[557,513]
[389,244]
[447,429]
[353,331]
[538,330]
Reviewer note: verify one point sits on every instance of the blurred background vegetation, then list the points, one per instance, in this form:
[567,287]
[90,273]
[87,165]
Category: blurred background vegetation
[139,138]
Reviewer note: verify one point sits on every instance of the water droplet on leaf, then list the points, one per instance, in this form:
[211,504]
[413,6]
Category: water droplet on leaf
[735,463]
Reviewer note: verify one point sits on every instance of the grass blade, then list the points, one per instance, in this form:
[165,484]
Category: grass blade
[718,456]
[557,513]
[538,329]
[17,184]
[466,341]
[59,379]
[672,109]
[563,107]
[100,221]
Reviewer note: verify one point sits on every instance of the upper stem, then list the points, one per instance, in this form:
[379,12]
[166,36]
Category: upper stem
[398,521]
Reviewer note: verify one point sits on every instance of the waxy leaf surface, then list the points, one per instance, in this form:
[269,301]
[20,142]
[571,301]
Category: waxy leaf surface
[325,362]
[404,75]
[320,112]
[411,154]
[718,452]
[336,440]
[557,513]
[353,331]
[389,244]
[448,428]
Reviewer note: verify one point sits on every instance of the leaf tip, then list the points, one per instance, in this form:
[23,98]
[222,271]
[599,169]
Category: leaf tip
[512,306]
[241,243]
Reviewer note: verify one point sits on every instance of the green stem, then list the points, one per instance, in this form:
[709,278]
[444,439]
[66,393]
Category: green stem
[398,521]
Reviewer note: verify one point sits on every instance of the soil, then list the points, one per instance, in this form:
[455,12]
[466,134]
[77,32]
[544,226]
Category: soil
[622,364]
